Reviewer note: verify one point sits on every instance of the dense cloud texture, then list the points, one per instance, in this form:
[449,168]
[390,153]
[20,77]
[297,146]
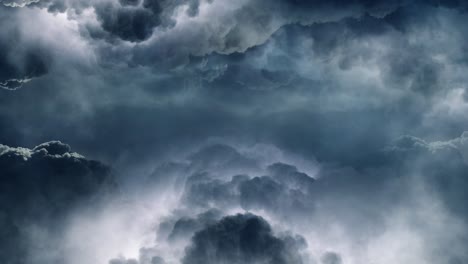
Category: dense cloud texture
[228,121]
[241,239]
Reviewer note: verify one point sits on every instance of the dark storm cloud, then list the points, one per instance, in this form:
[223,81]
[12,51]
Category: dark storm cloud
[253,23]
[50,174]
[260,80]
[250,25]
[406,67]
[209,193]
[281,190]
[135,22]
[38,187]
[236,29]
[241,26]
[128,23]
[336,81]
[339,196]
[242,239]
[132,21]
[342,194]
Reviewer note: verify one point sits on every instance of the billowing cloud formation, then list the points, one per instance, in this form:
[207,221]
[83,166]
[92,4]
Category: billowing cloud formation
[238,238]
[408,181]
[303,76]
[242,239]
[287,197]
[171,35]
[130,20]
[257,193]
[336,120]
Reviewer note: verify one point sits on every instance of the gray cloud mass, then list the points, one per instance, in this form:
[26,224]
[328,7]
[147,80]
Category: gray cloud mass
[249,131]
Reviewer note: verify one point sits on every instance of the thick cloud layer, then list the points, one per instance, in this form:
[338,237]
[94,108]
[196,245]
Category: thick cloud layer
[410,181]
[303,77]
[341,121]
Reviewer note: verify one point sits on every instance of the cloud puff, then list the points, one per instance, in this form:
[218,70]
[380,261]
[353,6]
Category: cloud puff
[128,22]
[242,238]
[283,191]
